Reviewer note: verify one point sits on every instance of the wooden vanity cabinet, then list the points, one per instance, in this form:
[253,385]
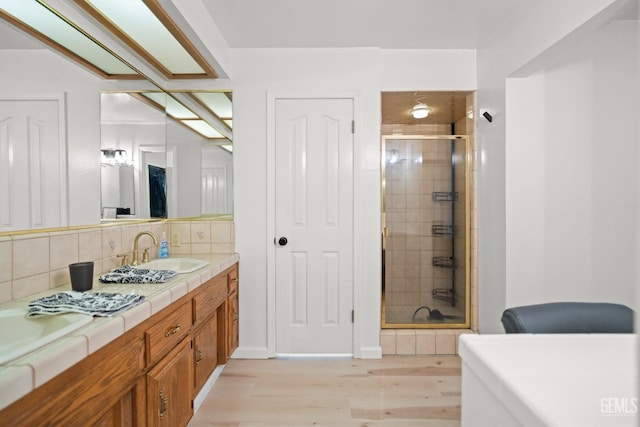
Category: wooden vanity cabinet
[233,324]
[206,301]
[150,375]
[103,389]
[205,352]
[216,325]
[169,388]
[233,321]
[167,332]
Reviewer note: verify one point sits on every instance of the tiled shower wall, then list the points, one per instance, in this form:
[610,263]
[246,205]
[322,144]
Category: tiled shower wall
[34,262]
[415,170]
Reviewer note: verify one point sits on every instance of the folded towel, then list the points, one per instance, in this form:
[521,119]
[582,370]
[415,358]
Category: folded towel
[128,274]
[96,304]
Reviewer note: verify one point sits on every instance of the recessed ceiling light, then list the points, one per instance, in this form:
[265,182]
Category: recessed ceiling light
[420,111]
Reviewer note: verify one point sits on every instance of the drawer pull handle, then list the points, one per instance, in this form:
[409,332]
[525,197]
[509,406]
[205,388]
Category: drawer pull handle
[163,404]
[235,279]
[173,331]
[198,356]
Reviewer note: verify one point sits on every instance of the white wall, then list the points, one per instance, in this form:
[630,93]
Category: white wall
[570,169]
[364,72]
[518,45]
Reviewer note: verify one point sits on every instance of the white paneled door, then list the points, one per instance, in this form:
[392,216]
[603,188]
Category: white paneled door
[32,165]
[314,226]
[214,190]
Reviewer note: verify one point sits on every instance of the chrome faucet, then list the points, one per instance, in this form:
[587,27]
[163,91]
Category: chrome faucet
[134,260]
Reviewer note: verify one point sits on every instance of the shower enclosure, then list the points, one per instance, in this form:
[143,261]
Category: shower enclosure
[425,232]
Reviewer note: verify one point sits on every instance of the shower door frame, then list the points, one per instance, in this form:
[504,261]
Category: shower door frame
[467,257]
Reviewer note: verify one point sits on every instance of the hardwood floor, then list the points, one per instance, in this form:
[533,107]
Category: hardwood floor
[402,391]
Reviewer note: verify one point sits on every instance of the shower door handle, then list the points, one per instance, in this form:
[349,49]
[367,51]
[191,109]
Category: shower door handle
[283,241]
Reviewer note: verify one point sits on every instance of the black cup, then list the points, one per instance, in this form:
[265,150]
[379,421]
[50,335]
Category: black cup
[81,276]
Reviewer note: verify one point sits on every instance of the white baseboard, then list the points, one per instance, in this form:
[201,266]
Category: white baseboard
[263,353]
[206,388]
[371,352]
[251,353]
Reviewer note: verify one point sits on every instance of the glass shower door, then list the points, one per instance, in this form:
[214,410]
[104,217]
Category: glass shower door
[425,232]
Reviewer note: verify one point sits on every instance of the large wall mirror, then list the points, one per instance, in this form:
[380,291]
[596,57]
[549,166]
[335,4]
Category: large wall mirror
[160,159]
[80,156]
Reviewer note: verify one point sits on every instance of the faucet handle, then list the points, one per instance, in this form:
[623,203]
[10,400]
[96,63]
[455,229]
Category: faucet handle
[125,259]
[145,255]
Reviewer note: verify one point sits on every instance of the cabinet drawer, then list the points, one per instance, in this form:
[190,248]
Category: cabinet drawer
[210,296]
[168,332]
[233,279]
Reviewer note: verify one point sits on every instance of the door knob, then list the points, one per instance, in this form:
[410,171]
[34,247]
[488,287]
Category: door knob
[282,241]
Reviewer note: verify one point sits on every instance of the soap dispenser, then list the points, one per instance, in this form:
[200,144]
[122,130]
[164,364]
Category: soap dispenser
[164,247]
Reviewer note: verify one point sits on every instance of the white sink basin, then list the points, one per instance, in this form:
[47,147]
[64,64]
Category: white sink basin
[179,265]
[20,334]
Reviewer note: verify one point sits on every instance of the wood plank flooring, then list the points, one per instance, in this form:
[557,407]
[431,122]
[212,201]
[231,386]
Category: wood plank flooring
[402,391]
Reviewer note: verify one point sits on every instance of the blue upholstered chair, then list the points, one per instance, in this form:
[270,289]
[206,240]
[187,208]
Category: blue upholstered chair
[568,318]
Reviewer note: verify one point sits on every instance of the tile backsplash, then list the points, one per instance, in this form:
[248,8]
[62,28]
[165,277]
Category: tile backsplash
[34,262]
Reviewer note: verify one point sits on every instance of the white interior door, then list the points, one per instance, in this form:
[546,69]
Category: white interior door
[32,165]
[214,190]
[314,213]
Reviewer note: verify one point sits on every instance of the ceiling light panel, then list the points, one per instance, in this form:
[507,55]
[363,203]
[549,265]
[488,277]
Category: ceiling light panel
[218,102]
[172,107]
[49,27]
[135,23]
[203,128]
[178,111]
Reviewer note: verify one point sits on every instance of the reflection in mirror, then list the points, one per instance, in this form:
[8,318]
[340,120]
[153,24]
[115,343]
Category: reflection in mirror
[136,133]
[72,89]
[56,180]
[201,156]
[155,128]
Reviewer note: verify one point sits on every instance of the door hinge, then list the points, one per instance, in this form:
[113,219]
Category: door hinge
[353,316]
[353,126]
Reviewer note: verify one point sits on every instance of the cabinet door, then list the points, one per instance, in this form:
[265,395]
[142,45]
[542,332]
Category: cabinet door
[126,411]
[169,388]
[233,328]
[205,351]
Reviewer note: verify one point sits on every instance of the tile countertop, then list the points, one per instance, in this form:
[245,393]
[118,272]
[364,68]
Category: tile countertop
[20,376]
[550,379]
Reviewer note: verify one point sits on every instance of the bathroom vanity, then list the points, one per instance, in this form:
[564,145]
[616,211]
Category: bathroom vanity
[149,374]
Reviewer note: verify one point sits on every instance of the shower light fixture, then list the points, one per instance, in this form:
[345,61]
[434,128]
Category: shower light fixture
[420,111]
[393,155]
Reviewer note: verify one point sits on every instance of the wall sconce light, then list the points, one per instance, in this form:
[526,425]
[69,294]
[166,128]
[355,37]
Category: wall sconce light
[114,157]
[420,111]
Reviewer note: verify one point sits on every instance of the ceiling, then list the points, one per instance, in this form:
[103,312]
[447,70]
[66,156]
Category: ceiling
[397,24]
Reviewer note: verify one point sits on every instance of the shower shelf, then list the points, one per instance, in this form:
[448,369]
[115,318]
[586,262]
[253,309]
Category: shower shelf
[444,196]
[442,230]
[444,294]
[444,262]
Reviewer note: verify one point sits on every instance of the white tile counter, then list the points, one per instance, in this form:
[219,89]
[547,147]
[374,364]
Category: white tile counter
[549,380]
[22,375]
